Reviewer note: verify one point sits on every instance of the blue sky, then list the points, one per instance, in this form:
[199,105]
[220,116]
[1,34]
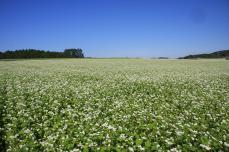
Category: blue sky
[116,28]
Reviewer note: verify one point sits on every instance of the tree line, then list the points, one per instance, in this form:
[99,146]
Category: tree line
[218,54]
[34,53]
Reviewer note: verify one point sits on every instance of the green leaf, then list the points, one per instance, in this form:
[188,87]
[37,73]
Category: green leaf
[85,148]
[138,142]
[148,144]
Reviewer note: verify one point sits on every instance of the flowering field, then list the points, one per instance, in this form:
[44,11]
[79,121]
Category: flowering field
[114,105]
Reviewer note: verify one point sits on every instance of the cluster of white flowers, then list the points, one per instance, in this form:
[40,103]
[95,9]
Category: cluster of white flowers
[114,105]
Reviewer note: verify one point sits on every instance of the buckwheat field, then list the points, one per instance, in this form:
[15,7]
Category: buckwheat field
[114,105]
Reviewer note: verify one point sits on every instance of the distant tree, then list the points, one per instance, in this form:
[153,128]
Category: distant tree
[32,53]
[163,58]
[74,53]
[1,55]
[218,54]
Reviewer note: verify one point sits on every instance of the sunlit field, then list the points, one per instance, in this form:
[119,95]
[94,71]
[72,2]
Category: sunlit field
[114,105]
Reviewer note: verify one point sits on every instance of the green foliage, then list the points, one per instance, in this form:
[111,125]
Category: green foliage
[76,53]
[114,105]
[32,53]
[218,54]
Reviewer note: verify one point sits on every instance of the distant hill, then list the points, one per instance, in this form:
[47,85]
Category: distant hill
[218,54]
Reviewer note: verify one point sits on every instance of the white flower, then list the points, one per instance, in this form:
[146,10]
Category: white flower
[226,144]
[168,141]
[174,150]
[111,127]
[141,148]
[65,126]
[179,133]
[205,147]
[130,149]
[122,136]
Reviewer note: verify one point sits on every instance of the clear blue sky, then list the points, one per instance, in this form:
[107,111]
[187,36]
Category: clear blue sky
[116,28]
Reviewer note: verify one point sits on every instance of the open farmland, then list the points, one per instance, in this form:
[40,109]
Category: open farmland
[114,105]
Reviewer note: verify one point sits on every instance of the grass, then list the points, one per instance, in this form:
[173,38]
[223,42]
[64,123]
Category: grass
[114,105]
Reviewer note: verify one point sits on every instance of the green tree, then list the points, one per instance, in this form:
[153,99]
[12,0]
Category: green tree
[74,53]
